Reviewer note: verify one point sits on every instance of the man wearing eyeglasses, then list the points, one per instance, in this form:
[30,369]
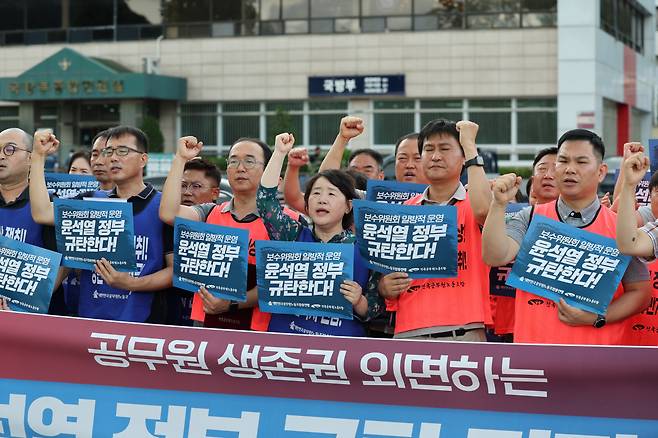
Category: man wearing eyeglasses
[200,183]
[245,165]
[106,293]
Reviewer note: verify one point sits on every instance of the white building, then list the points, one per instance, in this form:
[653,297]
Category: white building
[525,70]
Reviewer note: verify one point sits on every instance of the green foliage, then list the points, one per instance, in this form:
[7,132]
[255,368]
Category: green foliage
[282,122]
[151,127]
[525,172]
[220,161]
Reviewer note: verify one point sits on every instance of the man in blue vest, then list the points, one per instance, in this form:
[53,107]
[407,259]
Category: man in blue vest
[107,293]
[15,218]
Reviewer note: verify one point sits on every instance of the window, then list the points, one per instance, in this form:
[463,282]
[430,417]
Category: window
[284,117]
[392,120]
[385,7]
[240,120]
[324,121]
[624,21]
[334,8]
[44,14]
[294,9]
[200,120]
[138,12]
[495,119]
[184,11]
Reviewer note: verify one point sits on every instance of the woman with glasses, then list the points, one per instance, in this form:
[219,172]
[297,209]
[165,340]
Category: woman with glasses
[328,201]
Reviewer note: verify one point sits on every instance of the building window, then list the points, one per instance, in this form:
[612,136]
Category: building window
[199,120]
[536,121]
[324,120]
[392,120]
[8,117]
[624,21]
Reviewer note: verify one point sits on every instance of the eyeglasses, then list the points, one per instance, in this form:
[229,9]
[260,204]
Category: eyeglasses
[544,170]
[121,151]
[9,149]
[248,163]
[194,187]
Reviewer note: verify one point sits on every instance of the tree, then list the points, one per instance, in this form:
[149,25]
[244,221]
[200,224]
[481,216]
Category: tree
[151,128]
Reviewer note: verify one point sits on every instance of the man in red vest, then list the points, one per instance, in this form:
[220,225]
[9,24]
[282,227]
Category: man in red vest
[245,165]
[579,169]
[457,309]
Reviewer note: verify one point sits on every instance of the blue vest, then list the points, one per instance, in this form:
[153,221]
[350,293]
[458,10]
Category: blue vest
[98,300]
[281,323]
[71,284]
[17,224]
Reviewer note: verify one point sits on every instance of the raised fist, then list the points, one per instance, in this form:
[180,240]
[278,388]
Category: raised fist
[467,132]
[284,142]
[505,188]
[45,143]
[350,127]
[298,157]
[188,147]
[636,165]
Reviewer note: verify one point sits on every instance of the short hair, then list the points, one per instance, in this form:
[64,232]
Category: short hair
[370,152]
[267,152]
[141,139]
[583,134]
[209,169]
[343,182]
[76,155]
[411,136]
[653,182]
[103,134]
[438,126]
[541,154]
[360,180]
[528,187]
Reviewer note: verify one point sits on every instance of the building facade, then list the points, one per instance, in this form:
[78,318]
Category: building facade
[525,70]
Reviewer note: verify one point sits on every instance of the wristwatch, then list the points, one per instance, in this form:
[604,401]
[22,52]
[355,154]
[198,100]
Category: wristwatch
[476,161]
[233,306]
[600,321]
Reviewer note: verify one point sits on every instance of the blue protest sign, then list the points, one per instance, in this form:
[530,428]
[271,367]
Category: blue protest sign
[90,230]
[418,240]
[642,194]
[64,185]
[560,261]
[653,154]
[303,278]
[27,275]
[212,256]
[392,191]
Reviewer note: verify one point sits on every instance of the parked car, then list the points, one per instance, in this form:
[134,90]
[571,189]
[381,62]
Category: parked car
[225,191]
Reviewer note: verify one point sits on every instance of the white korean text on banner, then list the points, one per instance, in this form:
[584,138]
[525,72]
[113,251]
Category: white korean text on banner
[418,240]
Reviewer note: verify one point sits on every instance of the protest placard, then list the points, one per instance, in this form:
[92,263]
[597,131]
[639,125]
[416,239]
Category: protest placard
[90,230]
[393,192]
[212,256]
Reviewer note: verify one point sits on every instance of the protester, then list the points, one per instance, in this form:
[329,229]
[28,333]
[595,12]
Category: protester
[99,162]
[107,293]
[578,171]
[367,161]
[408,166]
[246,161]
[200,182]
[543,187]
[428,309]
[328,202]
[79,164]
[15,219]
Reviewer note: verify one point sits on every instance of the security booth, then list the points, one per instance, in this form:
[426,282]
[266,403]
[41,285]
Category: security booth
[78,96]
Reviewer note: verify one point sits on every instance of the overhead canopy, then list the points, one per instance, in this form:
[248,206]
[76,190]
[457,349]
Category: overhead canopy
[69,75]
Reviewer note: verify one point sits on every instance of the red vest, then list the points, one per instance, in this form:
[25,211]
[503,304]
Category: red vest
[643,327]
[259,320]
[536,319]
[449,301]
[502,311]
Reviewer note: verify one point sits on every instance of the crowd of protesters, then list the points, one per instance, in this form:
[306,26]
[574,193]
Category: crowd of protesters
[563,186]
